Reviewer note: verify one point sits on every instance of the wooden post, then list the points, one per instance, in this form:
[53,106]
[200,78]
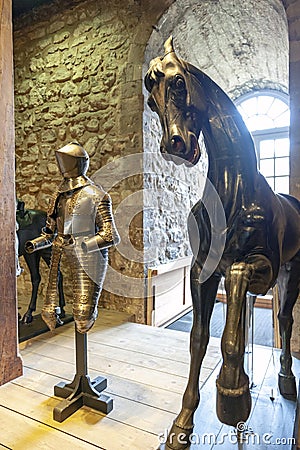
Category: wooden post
[10,362]
[292,11]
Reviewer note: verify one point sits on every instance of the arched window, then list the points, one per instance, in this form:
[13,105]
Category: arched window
[267,116]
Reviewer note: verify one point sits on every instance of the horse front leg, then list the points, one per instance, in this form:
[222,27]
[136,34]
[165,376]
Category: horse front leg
[288,288]
[203,296]
[233,394]
[33,262]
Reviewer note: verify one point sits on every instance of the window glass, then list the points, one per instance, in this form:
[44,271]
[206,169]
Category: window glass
[270,180]
[267,167]
[249,107]
[282,147]
[278,108]
[258,122]
[282,166]
[282,119]
[267,148]
[282,184]
[264,103]
[267,116]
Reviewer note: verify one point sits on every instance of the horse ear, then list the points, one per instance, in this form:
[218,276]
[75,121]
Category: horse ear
[168,45]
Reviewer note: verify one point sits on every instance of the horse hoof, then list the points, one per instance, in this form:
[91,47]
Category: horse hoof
[233,405]
[27,319]
[287,386]
[179,437]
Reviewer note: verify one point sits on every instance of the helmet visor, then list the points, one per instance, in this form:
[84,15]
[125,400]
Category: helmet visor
[72,161]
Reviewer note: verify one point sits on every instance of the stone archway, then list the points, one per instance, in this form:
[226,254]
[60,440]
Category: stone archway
[241,46]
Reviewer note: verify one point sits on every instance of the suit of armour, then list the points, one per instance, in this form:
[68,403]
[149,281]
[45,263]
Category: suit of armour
[79,226]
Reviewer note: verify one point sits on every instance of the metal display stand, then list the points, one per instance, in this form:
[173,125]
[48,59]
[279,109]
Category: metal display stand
[82,391]
[249,336]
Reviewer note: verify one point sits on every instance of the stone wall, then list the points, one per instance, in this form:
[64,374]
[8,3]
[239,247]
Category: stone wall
[78,77]
[170,191]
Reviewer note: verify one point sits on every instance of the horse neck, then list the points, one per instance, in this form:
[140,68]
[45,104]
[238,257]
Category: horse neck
[230,148]
[228,141]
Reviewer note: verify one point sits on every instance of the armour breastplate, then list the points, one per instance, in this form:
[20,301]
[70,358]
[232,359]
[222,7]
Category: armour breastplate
[64,213]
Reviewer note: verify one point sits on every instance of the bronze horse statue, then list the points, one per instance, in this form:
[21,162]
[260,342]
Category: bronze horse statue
[31,222]
[262,232]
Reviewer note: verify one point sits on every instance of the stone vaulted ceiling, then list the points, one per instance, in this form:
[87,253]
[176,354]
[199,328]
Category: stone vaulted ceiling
[242,45]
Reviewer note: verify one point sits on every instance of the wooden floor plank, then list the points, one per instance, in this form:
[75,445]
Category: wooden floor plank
[281,412]
[56,358]
[129,365]
[123,355]
[86,424]
[34,435]
[275,418]
[130,412]
[137,392]
[128,338]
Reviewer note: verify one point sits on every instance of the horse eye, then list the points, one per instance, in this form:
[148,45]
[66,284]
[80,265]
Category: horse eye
[179,83]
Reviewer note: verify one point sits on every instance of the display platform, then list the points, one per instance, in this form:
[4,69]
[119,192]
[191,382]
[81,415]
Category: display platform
[37,327]
[146,370]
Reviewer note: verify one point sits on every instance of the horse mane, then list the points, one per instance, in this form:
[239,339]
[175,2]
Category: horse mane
[229,126]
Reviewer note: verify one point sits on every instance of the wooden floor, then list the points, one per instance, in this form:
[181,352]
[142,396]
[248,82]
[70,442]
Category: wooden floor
[147,370]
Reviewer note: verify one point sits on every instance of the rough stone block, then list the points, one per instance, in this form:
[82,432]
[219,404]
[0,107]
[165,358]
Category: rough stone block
[61,75]
[56,26]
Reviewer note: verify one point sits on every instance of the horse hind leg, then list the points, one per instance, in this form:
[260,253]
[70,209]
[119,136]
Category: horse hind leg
[288,288]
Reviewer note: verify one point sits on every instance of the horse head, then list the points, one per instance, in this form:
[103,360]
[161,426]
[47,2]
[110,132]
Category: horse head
[20,208]
[178,98]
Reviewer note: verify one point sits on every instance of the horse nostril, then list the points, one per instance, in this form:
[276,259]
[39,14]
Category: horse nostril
[177,144]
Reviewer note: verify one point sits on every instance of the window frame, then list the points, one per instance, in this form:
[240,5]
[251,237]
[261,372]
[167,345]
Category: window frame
[269,133]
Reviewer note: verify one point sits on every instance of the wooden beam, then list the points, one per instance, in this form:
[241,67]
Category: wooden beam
[10,362]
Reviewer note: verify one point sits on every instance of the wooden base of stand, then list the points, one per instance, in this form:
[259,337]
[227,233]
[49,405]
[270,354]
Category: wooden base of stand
[82,391]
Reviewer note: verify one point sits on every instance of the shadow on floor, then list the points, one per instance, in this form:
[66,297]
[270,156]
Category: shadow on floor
[263,324]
